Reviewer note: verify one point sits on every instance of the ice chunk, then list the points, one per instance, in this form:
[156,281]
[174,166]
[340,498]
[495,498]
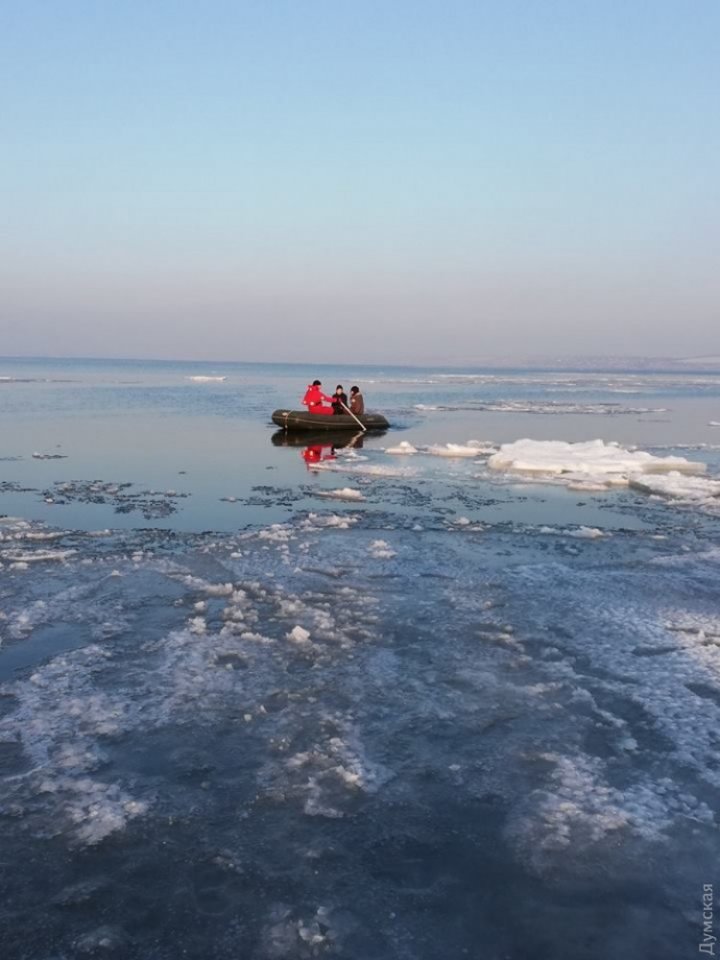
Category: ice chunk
[344,493]
[36,556]
[381,550]
[679,486]
[403,448]
[299,635]
[317,521]
[366,469]
[582,533]
[472,448]
[99,809]
[594,461]
[210,589]
[277,532]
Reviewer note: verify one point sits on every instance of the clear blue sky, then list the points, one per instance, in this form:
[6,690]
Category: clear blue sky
[403,179]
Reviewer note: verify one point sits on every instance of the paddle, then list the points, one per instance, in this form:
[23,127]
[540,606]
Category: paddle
[362,427]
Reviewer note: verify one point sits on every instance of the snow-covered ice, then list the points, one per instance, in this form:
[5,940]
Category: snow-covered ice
[680,487]
[402,449]
[342,493]
[594,461]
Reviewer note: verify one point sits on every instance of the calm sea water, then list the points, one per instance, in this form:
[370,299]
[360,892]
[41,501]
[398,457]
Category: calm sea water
[271,699]
[151,424]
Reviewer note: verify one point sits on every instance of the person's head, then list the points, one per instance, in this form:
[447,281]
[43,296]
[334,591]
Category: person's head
[316,383]
[338,388]
[354,390]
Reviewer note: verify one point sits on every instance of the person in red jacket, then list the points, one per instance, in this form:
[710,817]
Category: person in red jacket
[314,399]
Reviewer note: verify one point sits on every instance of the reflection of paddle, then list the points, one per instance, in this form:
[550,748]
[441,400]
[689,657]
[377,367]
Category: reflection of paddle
[363,428]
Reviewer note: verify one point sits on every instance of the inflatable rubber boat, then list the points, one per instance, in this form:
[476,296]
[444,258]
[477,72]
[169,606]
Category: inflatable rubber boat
[301,420]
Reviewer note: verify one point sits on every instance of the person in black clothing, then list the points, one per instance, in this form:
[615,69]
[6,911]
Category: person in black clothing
[339,400]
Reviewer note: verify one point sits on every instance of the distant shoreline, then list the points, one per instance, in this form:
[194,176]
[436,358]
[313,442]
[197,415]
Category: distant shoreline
[570,364]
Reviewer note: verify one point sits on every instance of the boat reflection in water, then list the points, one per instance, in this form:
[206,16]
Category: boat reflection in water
[317,452]
[317,448]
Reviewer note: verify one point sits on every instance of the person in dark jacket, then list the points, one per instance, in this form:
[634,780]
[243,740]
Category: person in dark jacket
[339,400]
[357,404]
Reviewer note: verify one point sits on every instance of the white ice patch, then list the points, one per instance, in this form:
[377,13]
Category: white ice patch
[680,488]
[328,775]
[316,521]
[349,453]
[582,533]
[286,935]
[402,449]
[299,635]
[465,524]
[277,533]
[594,462]
[381,550]
[65,709]
[366,469]
[98,809]
[36,556]
[22,533]
[547,407]
[343,493]
[580,807]
[659,697]
[472,448]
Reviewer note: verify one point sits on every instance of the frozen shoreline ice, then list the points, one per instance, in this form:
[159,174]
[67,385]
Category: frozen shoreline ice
[421,680]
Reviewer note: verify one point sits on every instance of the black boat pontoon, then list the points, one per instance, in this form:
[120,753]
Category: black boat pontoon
[301,420]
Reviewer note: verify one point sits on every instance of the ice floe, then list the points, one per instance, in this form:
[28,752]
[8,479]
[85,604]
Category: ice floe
[36,556]
[402,449]
[680,487]
[551,407]
[365,469]
[317,521]
[381,550]
[343,493]
[472,448]
[592,462]
[581,533]
[299,635]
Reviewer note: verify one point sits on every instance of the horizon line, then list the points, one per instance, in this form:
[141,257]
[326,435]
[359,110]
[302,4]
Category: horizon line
[500,360]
